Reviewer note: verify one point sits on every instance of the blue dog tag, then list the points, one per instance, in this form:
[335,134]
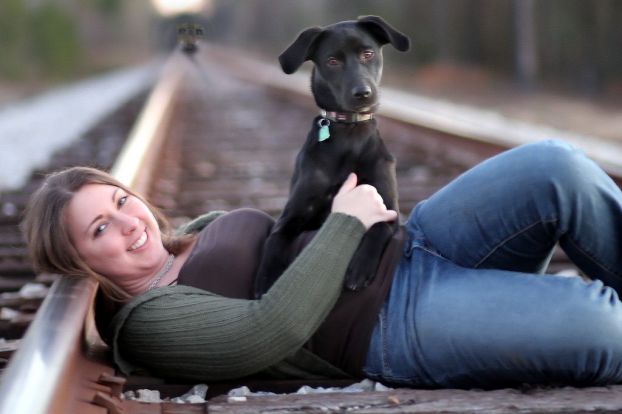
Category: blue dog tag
[323,133]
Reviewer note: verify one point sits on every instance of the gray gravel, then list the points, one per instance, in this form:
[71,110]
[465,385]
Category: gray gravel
[33,129]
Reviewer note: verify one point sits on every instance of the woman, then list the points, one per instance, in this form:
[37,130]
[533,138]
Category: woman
[462,304]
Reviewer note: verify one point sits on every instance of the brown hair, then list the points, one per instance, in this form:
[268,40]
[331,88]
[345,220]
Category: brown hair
[48,241]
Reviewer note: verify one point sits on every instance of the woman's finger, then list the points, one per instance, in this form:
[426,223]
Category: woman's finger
[349,184]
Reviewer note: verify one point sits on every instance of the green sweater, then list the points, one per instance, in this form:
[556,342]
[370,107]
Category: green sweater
[188,333]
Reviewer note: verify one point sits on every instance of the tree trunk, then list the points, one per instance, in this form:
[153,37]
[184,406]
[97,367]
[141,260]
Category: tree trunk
[526,47]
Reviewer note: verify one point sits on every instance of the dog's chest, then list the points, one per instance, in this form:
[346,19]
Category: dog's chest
[346,141]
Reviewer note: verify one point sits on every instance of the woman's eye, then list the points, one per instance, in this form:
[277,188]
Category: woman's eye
[122,200]
[99,229]
[367,54]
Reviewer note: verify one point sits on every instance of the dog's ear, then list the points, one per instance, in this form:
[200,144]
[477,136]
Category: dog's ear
[384,32]
[299,51]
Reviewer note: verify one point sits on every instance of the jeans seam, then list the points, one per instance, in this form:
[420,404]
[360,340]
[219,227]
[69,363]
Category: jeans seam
[428,249]
[424,376]
[383,342]
[504,241]
[588,254]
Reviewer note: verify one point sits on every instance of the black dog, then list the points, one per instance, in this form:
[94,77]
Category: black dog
[347,61]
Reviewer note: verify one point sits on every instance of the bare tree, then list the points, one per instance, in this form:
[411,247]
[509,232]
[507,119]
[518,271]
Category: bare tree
[526,48]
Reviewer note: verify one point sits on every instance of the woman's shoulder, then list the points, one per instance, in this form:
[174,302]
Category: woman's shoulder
[199,223]
[251,213]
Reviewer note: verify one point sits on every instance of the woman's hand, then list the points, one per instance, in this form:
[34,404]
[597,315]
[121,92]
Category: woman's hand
[362,202]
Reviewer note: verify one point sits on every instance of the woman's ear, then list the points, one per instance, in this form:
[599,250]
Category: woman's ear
[299,51]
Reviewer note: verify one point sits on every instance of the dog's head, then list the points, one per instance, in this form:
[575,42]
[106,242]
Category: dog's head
[347,59]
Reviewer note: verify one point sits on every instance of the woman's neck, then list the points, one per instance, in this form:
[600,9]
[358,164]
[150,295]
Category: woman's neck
[173,273]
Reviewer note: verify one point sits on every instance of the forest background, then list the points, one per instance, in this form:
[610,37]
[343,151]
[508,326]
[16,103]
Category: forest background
[571,46]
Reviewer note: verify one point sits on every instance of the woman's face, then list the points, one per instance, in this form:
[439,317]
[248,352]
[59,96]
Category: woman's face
[115,234]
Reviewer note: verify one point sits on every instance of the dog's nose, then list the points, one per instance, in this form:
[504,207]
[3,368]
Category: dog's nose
[361,92]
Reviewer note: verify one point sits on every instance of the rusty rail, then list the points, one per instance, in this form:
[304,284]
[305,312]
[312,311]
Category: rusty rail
[44,375]
[47,351]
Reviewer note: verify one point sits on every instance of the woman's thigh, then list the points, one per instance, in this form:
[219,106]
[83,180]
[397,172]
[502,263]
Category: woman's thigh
[445,325]
[509,211]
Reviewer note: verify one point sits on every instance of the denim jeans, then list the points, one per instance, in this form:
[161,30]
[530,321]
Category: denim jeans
[470,305]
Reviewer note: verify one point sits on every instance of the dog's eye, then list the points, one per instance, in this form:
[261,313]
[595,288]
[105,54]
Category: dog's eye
[331,61]
[367,55]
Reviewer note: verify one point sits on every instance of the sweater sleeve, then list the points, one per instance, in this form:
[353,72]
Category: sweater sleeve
[191,333]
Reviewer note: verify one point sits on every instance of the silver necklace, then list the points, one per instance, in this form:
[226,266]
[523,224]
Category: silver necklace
[162,272]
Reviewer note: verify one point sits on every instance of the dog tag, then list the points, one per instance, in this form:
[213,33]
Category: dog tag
[323,133]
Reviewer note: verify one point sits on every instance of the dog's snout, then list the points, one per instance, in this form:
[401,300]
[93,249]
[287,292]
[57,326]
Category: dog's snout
[361,92]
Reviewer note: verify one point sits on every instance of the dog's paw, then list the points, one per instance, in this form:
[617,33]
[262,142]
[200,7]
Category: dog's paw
[259,289]
[266,276]
[359,276]
[262,282]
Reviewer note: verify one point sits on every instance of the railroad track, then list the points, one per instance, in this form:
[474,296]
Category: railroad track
[22,291]
[210,136]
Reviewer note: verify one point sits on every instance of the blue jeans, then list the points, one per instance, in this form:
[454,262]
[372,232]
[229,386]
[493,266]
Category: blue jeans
[469,305]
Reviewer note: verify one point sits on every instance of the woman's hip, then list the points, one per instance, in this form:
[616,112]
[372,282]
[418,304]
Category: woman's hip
[446,325]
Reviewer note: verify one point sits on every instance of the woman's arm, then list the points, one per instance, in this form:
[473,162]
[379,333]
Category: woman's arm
[191,333]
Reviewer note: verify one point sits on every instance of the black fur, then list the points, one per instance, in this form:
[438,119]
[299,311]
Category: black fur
[347,59]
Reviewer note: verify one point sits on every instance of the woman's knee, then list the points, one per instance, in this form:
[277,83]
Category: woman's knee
[598,360]
[592,341]
[559,161]
[559,166]
[596,319]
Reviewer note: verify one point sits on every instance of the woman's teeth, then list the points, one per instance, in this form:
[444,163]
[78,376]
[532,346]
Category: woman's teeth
[138,243]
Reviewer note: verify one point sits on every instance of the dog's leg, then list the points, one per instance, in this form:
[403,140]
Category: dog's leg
[366,259]
[274,261]
[300,214]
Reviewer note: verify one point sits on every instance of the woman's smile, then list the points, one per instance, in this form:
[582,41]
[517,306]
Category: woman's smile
[140,242]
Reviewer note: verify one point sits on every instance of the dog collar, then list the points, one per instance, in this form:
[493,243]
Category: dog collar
[349,117]
[345,117]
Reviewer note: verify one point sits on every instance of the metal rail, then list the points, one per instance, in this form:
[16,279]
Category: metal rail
[30,384]
[42,376]
[50,372]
